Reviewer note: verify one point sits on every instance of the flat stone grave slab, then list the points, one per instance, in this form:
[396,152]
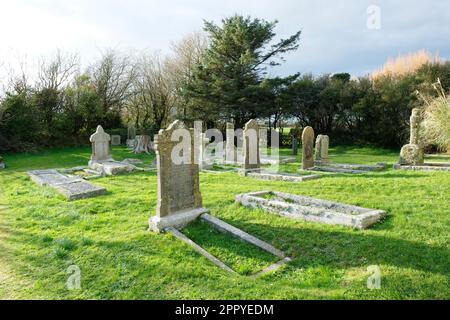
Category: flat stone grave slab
[282,176]
[73,188]
[427,166]
[311,209]
[347,168]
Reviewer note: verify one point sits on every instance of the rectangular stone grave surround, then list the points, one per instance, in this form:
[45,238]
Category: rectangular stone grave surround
[311,209]
[235,232]
[347,168]
[427,166]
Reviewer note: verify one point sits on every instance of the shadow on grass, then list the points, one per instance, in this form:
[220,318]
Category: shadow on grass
[311,247]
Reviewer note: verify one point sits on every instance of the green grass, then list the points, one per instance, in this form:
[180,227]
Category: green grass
[41,235]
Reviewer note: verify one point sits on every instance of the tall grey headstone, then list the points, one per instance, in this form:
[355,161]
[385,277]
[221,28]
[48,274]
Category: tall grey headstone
[179,198]
[308,148]
[230,150]
[252,161]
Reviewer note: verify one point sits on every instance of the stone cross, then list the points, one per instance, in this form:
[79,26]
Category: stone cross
[322,145]
[230,150]
[252,161]
[179,198]
[308,148]
[100,146]
[414,127]
[412,153]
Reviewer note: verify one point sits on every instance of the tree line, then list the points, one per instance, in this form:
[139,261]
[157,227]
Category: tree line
[217,76]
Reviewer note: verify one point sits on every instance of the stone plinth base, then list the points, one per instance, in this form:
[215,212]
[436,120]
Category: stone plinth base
[177,220]
[111,168]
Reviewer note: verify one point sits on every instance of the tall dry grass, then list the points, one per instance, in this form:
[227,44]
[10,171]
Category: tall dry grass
[405,64]
[436,124]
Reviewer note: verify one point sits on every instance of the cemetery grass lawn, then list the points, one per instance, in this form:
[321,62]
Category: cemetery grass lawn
[41,235]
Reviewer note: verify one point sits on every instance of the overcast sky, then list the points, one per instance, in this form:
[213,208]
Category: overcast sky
[335,34]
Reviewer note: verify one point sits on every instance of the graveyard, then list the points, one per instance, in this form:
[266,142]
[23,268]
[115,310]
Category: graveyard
[275,151]
[108,237]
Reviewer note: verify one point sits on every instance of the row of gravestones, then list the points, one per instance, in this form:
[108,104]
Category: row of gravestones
[179,199]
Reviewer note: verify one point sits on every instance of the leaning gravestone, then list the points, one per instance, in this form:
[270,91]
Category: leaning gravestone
[322,145]
[179,198]
[308,148]
[101,159]
[252,161]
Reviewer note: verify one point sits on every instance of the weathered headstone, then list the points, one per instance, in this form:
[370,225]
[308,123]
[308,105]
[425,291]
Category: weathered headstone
[179,198]
[294,146]
[252,161]
[230,150]
[322,145]
[115,140]
[131,137]
[100,146]
[412,153]
[2,163]
[101,158]
[308,148]
[131,132]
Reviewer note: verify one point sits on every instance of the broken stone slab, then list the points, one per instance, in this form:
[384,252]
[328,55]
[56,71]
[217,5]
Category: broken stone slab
[132,161]
[74,169]
[311,209]
[282,177]
[72,188]
[111,168]
[427,166]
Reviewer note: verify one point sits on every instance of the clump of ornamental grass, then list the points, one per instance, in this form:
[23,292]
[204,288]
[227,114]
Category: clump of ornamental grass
[436,115]
[405,64]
